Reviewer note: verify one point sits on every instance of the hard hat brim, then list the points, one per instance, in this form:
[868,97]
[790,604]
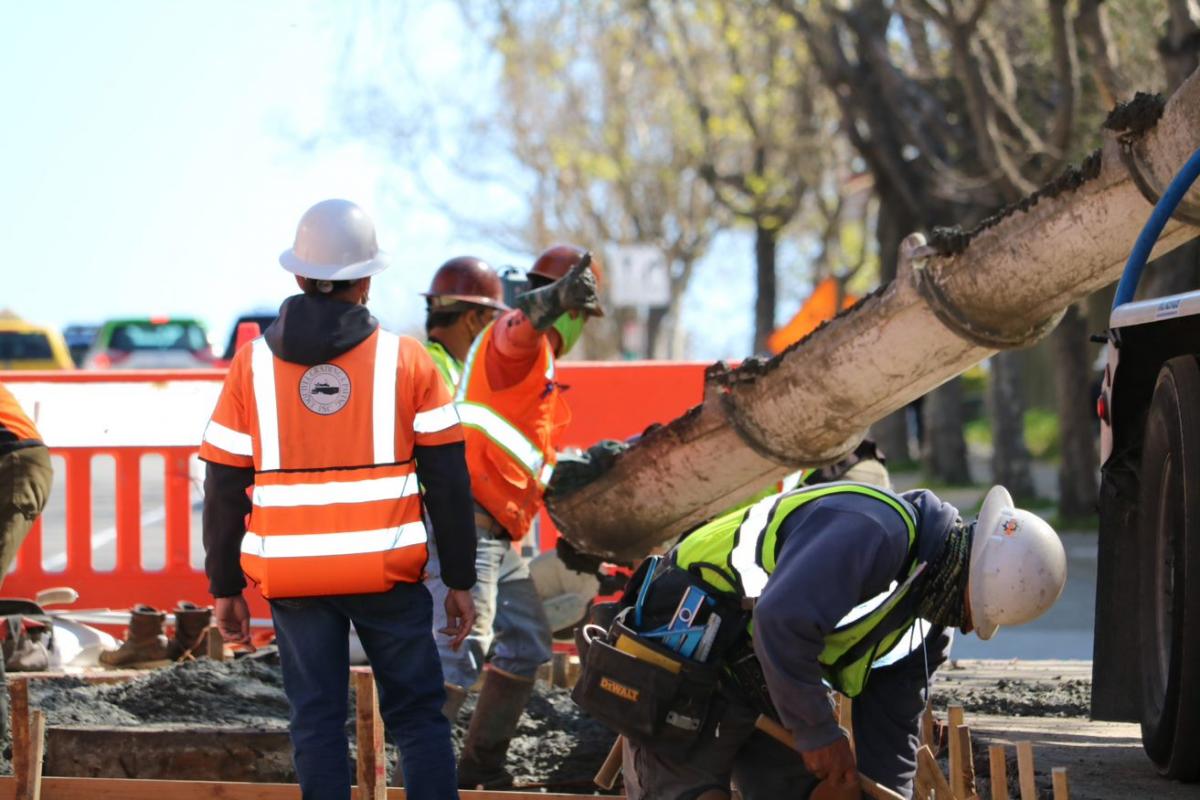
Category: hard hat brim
[473,299]
[332,272]
[995,503]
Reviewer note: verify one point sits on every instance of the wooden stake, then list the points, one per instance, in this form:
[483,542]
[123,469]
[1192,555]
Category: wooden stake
[1061,790]
[606,777]
[372,763]
[957,772]
[928,726]
[845,712]
[966,766]
[954,716]
[1025,770]
[928,764]
[999,772]
[214,643]
[558,669]
[18,697]
[37,752]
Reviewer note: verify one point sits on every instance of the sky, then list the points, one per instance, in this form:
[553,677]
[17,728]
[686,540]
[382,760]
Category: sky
[156,156]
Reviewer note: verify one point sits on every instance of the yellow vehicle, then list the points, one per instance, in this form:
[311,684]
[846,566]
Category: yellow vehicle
[24,345]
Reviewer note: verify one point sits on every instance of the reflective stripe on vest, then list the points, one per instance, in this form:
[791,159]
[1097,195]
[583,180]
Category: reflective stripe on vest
[736,552]
[498,429]
[505,435]
[229,440]
[333,544]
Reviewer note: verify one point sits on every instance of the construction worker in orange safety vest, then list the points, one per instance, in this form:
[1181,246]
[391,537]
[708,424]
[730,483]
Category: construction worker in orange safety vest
[326,432]
[512,412]
[464,297]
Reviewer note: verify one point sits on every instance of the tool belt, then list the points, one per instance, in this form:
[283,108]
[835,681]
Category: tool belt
[646,692]
[650,693]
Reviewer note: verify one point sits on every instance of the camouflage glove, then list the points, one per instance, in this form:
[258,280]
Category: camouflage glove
[575,291]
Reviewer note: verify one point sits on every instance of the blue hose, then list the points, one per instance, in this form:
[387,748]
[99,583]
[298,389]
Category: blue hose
[1158,218]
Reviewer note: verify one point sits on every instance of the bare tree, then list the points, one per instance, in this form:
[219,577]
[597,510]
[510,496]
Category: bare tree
[758,112]
[955,119]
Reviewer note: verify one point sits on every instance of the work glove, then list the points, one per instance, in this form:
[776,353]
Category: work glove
[575,291]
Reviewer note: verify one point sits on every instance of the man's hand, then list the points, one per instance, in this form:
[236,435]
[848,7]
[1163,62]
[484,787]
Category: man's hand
[576,291]
[460,616]
[833,763]
[233,619]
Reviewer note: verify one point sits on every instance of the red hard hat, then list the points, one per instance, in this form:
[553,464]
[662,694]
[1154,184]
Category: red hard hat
[558,260]
[466,279]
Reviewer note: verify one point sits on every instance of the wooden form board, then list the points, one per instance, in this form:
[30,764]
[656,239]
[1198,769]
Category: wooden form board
[110,788]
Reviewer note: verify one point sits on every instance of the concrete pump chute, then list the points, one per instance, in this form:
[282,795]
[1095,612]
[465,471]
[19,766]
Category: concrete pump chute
[954,302]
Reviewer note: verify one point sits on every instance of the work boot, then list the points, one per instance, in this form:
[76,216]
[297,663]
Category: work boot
[146,645]
[191,621]
[455,697]
[501,701]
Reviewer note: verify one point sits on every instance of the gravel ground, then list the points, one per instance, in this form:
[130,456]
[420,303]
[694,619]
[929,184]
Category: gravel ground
[556,745]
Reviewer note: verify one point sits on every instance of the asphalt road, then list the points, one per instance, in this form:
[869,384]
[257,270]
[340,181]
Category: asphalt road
[1066,630]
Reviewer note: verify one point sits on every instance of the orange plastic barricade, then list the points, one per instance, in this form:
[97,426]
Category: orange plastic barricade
[127,415]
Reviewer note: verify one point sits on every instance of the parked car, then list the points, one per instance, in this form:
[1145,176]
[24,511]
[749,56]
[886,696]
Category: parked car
[24,345]
[79,340]
[150,343]
[260,318]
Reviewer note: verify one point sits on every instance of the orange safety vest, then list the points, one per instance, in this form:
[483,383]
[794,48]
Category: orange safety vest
[336,508]
[14,420]
[510,435]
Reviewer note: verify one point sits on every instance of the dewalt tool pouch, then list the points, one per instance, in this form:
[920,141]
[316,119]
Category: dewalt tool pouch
[646,692]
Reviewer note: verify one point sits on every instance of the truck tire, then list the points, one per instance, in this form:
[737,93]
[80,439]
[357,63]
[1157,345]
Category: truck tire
[1168,546]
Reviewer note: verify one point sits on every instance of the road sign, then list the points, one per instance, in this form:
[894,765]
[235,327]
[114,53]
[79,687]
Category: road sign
[641,276]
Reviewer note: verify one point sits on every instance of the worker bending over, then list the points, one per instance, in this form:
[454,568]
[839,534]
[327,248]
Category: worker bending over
[844,585]
[321,432]
[512,411]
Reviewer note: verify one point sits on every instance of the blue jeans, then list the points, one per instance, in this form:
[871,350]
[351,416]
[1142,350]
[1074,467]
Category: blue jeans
[509,618]
[394,627]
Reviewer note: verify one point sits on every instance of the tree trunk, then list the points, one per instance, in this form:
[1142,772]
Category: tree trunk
[1006,407]
[1077,426]
[765,240]
[892,225]
[1179,50]
[944,450]
[654,331]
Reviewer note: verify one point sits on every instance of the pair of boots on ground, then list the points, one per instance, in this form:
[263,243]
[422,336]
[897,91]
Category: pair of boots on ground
[502,698]
[148,645]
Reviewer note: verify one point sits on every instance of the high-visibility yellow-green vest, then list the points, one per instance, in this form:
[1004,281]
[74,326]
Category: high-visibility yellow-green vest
[450,367]
[736,553]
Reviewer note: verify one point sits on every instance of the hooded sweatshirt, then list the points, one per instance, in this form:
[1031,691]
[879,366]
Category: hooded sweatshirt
[313,330]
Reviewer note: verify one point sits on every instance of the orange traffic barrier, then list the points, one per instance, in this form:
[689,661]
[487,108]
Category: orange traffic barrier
[608,400]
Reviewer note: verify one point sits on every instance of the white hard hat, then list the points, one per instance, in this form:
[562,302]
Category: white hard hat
[1018,565]
[335,241]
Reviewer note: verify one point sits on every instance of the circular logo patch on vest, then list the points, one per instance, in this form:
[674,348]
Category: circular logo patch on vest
[325,389]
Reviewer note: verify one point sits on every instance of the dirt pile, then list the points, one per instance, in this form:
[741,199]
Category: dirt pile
[1014,697]
[556,745]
